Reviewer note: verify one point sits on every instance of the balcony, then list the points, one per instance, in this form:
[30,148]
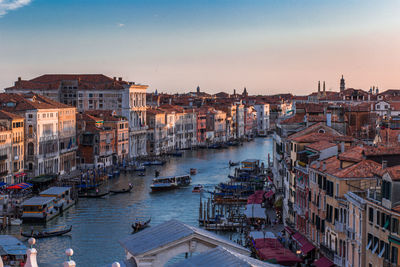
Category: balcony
[48,137]
[338,261]
[327,251]
[299,210]
[3,157]
[3,173]
[339,227]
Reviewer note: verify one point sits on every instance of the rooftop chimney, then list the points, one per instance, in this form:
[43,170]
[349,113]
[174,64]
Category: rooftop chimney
[19,79]
[114,78]
[324,166]
[120,79]
[341,147]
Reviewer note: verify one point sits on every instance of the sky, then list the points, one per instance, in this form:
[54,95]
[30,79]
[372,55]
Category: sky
[267,46]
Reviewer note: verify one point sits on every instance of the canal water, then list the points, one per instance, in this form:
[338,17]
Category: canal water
[98,224]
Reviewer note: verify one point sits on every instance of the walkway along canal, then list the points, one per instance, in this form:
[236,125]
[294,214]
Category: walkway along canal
[98,224]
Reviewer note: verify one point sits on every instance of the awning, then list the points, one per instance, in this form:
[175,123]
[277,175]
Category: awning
[323,262]
[306,246]
[21,174]
[289,230]
[2,184]
[42,179]
[269,194]
[20,186]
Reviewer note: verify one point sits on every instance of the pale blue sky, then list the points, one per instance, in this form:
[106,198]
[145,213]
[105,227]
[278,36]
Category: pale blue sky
[268,46]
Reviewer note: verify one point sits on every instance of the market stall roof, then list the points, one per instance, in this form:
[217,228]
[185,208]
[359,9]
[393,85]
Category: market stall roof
[20,186]
[254,211]
[289,230]
[11,246]
[42,179]
[323,262]
[306,246]
[260,235]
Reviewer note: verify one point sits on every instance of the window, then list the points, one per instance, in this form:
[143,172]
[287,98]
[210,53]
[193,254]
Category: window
[90,95]
[386,189]
[394,255]
[371,215]
[370,240]
[395,226]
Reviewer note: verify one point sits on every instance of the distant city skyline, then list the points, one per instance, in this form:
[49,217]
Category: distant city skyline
[269,47]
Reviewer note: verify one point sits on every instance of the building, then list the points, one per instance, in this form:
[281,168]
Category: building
[157,141]
[95,92]
[97,147]
[15,123]
[263,125]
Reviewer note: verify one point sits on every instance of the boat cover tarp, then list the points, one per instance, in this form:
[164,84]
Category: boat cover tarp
[254,211]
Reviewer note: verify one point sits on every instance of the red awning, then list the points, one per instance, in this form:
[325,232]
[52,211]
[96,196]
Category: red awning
[269,194]
[289,230]
[323,262]
[306,246]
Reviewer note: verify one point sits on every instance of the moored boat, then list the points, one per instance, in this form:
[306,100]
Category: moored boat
[170,182]
[193,171]
[232,163]
[45,234]
[197,188]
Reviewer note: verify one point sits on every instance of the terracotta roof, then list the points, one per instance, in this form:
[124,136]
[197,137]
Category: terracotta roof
[394,172]
[315,128]
[353,154]
[321,145]
[389,136]
[382,150]
[21,103]
[9,116]
[332,165]
[313,137]
[297,118]
[84,81]
[363,169]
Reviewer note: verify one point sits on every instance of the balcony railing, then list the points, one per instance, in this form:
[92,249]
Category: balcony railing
[338,261]
[339,227]
[327,251]
[299,210]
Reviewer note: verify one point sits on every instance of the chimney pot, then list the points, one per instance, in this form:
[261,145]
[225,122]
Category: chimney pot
[19,79]
[384,164]
[120,79]
[114,78]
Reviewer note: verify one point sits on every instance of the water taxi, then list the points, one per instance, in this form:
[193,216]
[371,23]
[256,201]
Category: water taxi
[170,182]
[197,188]
[13,251]
[39,209]
[48,204]
[63,197]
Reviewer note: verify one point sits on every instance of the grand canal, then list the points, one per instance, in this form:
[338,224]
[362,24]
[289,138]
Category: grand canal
[98,224]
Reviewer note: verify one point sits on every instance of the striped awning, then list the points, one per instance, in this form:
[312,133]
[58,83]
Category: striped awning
[20,186]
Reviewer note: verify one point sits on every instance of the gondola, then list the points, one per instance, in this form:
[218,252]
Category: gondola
[231,163]
[139,226]
[97,195]
[125,190]
[47,234]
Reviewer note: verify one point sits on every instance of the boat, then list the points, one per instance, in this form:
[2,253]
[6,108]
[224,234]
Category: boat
[154,163]
[141,174]
[197,188]
[13,251]
[140,168]
[97,195]
[139,226]
[232,163]
[193,171]
[121,191]
[45,234]
[49,204]
[177,153]
[170,182]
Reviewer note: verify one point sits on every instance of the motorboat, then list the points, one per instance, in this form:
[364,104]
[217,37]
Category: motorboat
[197,188]
[170,182]
[193,171]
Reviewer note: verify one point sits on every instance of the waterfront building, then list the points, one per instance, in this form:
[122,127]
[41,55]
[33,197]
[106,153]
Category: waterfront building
[216,124]
[5,154]
[250,121]
[120,125]
[96,142]
[95,92]
[15,123]
[263,125]
[157,141]
[201,126]
[41,131]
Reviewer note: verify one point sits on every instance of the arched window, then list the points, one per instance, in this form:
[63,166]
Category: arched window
[321,131]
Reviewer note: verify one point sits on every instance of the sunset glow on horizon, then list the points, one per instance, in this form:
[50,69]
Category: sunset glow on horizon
[268,47]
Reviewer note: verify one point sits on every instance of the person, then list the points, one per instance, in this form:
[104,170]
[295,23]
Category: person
[130,185]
